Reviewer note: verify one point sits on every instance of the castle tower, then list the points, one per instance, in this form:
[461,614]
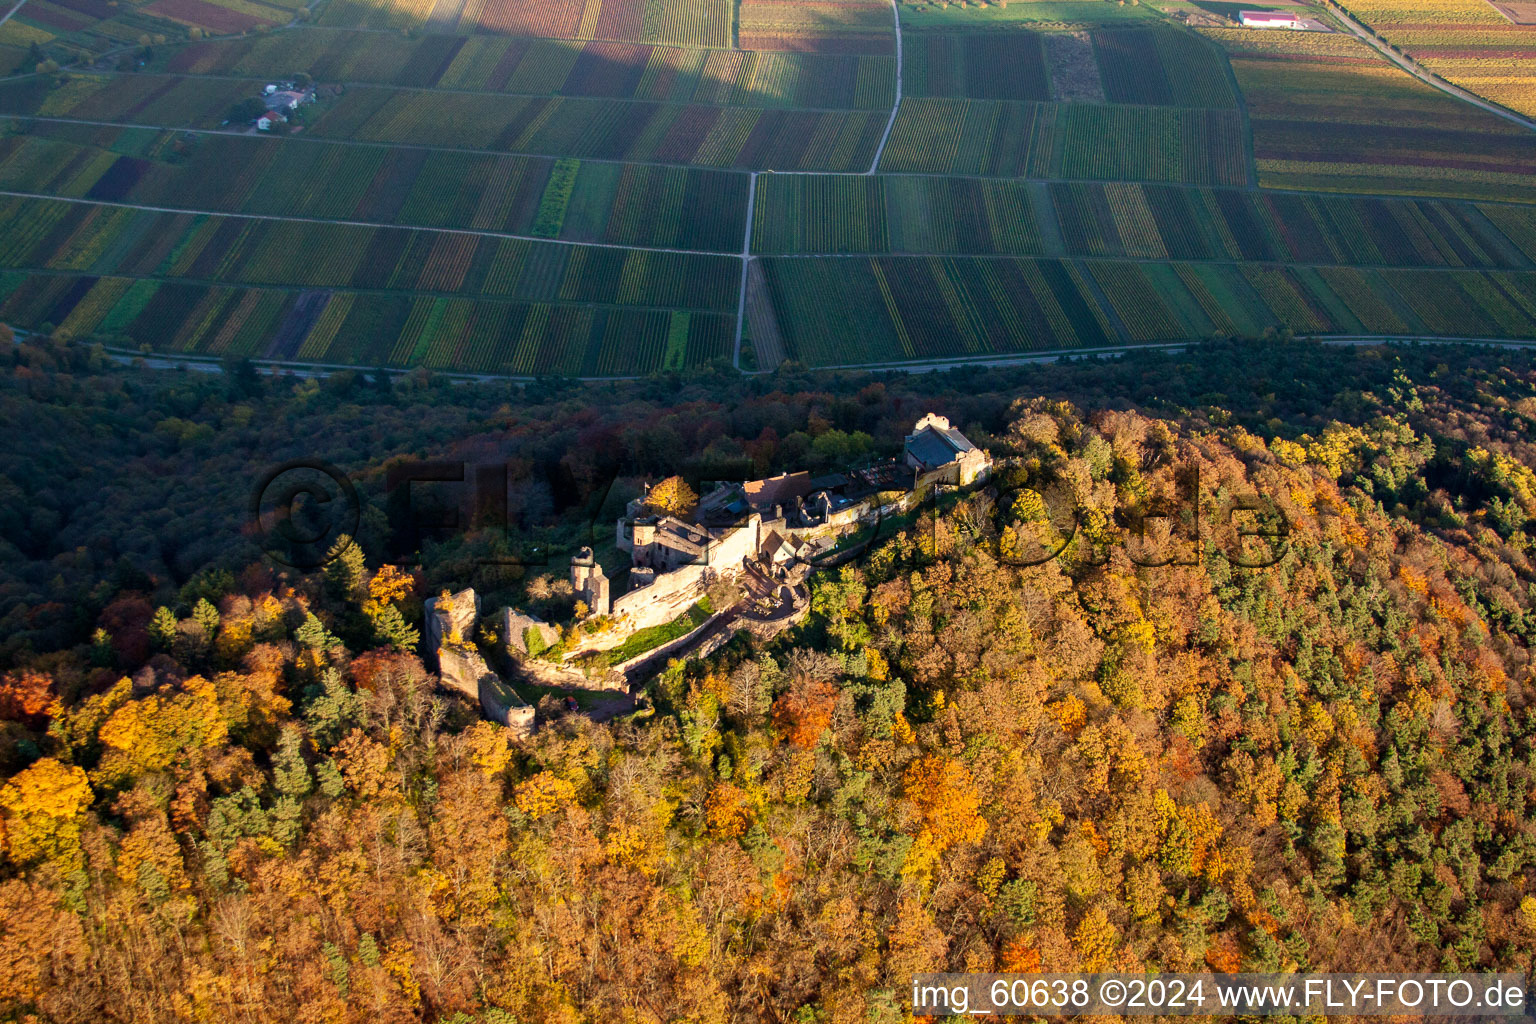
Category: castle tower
[587,579]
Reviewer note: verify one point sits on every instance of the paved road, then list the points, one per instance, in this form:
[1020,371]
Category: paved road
[880,150]
[983,362]
[1416,71]
[285,368]
[172,361]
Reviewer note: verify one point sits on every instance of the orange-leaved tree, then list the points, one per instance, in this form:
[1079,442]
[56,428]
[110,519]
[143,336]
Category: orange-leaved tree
[944,794]
[803,713]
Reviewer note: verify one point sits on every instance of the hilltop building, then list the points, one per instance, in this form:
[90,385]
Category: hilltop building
[934,445]
[759,525]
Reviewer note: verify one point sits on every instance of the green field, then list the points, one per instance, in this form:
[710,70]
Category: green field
[920,308]
[562,186]
[553,67]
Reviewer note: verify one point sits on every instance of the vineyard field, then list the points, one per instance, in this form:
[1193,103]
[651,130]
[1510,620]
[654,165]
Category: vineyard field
[818,26]
[1000,66]
[1067,140]
[1163,222]
[1158,66]
[1162,67]
[564,186]
[797,214]
[579,68]
[694,23]
[852,310]
[667,207]
[115,241]
[1328,114]
[707,136]
[893,214]
[1467,42]
[350,328]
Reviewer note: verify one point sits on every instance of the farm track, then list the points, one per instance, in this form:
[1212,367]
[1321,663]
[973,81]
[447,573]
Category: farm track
[1412,66]
[357,224]
[746,262]
[13,10]
[896,105]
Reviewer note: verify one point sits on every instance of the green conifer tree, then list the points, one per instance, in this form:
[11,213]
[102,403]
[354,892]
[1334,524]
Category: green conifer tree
[346,573]
[313,634]
[391,629]
[206,615]
[162,628]
[290,773]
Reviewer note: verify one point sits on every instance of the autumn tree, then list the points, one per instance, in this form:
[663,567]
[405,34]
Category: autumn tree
[41,807]
[25,696]
[672,497]
[803,713]
[543,794]
[944,794]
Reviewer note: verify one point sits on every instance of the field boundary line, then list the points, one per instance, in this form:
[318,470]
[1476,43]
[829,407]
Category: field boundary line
[420,146]
[13,10]
[896,105]
[746,261]
[1418,71]
[358,224]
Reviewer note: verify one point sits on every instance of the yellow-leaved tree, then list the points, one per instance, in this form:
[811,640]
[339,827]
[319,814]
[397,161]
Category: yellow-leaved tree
[41,806]
[543,793]
[151,734]
[672,496]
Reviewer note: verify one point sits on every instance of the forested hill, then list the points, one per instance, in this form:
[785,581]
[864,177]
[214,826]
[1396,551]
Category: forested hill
[244,808]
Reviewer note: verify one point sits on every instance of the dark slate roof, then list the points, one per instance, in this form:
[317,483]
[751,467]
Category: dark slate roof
[934,447]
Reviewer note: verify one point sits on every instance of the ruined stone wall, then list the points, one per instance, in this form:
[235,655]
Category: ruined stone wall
[662,601]
[460,618]
[514,626]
